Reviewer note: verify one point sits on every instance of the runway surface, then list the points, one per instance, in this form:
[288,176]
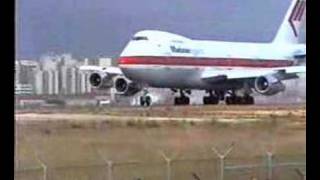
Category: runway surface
[168,113]
[75,142]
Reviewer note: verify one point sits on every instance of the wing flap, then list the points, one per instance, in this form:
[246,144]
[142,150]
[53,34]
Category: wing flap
[292,69]
[234,74]
[213,75]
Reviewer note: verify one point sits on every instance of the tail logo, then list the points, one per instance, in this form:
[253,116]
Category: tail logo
[296,15]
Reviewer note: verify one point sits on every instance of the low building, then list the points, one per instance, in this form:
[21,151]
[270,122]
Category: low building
[38,87]
[105,62]
[23,89]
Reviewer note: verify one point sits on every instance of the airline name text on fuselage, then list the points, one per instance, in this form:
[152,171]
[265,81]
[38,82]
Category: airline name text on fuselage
[185,50]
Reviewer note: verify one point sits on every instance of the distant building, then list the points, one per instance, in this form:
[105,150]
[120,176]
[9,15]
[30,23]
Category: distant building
[38,82]
[55,82]
[49,63]
[17,73]
[46,82]
[55,75]
[74,80]
[71,80]
[23,89]
[91,62]
[25,71]
[105,62]
[63,80]
[82,79]
[52,82]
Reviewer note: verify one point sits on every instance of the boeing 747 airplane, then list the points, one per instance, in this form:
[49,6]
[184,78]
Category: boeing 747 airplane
[227,71]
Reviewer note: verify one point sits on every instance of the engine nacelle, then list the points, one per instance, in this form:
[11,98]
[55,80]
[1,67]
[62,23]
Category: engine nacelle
[268,85]
[100,81]
[126,87]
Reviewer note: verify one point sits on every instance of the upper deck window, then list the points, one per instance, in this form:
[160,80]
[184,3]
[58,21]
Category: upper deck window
[137,38]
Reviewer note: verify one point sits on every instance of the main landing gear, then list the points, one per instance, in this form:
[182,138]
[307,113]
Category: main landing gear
[233,99]
[211,99]
[183,99]
[230,99]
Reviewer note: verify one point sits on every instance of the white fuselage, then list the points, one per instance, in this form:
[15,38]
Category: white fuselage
[162,59]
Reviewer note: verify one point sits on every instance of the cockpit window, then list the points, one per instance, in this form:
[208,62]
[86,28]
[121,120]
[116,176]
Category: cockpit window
[137,38]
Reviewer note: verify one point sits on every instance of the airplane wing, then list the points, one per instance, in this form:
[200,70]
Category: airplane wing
[283,73]
[109,70]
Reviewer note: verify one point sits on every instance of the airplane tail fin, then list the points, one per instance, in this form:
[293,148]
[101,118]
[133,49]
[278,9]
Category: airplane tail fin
[290,27]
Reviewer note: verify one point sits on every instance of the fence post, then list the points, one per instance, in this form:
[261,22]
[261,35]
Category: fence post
[110,169]
[222,157]
[269,165]
[168,162]
[16,145]
[44,167]
[301,174]
[109,163]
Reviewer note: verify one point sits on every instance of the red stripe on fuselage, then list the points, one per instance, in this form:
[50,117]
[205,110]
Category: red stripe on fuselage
[192,61]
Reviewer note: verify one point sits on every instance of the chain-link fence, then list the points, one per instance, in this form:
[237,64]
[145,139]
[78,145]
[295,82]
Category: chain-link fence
[267,167]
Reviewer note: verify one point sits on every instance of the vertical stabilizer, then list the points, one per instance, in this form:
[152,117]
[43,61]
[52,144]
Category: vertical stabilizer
[290,27]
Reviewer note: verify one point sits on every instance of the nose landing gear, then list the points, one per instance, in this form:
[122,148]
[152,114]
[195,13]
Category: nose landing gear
[145,99]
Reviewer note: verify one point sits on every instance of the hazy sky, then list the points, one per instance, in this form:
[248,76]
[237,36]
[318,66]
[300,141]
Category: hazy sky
[88,28]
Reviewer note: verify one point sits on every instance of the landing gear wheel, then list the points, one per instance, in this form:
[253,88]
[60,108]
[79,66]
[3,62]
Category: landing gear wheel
[229,100]
[181,100]
[232,100]
[142,101]
[210,100]
[145,100]
[246,100]
[249,100]
[148,101]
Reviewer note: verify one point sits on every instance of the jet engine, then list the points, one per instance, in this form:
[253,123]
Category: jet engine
[126,87]
[100,81]
[268,85]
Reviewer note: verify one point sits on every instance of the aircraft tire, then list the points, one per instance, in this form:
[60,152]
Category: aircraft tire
[187,100]
[235,100]
[148,101]
[229,100]
[249,100]
[145,101]
[142,102]
[176,101]
[210,100]
[181,101]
